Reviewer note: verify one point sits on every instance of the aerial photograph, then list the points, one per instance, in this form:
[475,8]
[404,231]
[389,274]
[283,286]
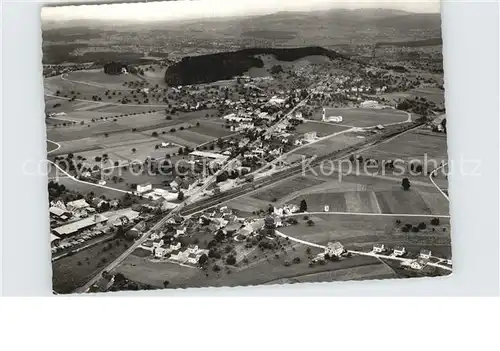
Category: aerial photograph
[218,143]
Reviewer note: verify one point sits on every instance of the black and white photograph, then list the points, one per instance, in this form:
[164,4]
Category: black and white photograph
[219,143]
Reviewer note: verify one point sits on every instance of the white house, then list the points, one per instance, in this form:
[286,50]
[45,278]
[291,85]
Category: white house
[311,136]
[176,246]
[192,248]
[425,254]
[180,231]
[334,249]
[157,244]
[378,248]
[327,208]
[160,252]
[399,250]
[417,264]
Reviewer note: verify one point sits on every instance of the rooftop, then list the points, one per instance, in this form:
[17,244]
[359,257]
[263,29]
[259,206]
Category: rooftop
[78,225]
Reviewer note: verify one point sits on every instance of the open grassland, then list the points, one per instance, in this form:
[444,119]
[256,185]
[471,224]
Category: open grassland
[98,78]
[322,129]
[432,94]
[363,117]
[416,144]
[329,145]
[142,270]
[286,187]
[73,271]
[361,232]
[368,272]
[272,268]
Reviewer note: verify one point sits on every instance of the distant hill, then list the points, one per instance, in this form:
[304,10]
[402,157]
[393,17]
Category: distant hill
[226,65]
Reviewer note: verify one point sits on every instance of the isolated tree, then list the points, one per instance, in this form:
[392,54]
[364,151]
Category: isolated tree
[231,260]
[405,183]
[180,196]
[166,283]
[203,260]
[310,223]
[197,124]
[435,221]
[134,150]
[303,205]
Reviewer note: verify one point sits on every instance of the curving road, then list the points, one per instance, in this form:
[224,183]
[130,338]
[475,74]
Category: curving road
[371,254]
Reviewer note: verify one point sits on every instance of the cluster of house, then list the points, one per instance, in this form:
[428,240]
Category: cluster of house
[78,209]
[174,251]
[79,217]
[419,263]
[332,249]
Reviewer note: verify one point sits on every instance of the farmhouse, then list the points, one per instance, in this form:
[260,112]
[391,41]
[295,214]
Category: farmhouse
[399,250]
[378,248]
[425,254]
[311,136]
[334,249]
[417,264]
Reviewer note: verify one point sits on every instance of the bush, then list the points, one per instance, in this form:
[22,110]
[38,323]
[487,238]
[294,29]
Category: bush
[415,229]
[287,263]
[296,260]
[231,260]
[422,226]
[405,229]
[435,221]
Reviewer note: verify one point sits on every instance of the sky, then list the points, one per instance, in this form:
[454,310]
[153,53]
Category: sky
[176,10]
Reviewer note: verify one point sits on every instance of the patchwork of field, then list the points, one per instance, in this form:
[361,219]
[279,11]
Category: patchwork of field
[322,129]
[351,231]
[364,117]
[349,193]
[416,144]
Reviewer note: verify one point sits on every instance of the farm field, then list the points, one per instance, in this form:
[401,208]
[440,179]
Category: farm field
[322,129]
[72,271]
[432,94]
[351,231]
[364,117]
[286,187]
[271,269]
[414,145]
[372,271]
[329,145]
[142,270]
